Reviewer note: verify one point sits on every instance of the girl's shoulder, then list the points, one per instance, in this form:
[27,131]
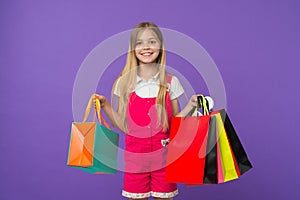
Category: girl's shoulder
[172,79]
[174,86]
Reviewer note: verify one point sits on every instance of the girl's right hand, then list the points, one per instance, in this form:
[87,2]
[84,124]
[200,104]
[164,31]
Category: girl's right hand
[101,98]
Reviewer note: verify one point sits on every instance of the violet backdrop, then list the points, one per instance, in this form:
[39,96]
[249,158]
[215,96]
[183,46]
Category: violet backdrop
[255,45]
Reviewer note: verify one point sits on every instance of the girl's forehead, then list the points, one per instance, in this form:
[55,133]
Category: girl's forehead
[146,34]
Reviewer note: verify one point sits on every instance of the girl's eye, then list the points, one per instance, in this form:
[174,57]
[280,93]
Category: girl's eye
[152,41]
[138,43]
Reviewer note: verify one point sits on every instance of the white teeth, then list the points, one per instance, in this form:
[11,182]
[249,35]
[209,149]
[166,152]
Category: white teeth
[146,54]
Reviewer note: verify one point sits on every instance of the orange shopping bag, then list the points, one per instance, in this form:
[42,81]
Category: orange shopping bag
[93,147]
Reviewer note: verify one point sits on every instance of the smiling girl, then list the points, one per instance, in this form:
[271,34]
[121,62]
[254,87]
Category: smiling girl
[147,99]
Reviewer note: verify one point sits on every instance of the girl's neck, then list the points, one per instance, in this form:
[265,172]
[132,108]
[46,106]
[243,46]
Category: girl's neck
[147,71]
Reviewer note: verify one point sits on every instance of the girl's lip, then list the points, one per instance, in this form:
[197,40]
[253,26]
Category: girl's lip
[146,53]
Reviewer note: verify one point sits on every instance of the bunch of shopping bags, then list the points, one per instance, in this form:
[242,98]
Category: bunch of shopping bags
[205,149]
[93,147]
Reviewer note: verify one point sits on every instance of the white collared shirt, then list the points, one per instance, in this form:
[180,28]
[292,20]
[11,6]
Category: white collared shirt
[149,88]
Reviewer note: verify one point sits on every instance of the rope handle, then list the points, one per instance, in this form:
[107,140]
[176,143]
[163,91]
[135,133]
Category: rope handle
[97,111]
[201,103]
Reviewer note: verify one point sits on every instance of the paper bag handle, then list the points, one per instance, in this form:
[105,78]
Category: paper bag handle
[97,110]
[203,103]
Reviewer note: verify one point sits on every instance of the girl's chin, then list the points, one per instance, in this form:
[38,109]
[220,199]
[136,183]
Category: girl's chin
[147,62]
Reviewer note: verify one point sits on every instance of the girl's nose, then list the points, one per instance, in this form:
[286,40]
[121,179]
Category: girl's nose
[146,46]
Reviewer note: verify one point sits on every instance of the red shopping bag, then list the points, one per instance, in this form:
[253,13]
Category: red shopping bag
[187,139]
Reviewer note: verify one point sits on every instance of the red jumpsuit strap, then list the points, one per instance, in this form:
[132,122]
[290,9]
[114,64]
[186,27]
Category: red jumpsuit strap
[169,78]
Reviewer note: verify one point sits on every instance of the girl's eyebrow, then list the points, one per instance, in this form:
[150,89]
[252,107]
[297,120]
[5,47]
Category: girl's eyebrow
[147,39]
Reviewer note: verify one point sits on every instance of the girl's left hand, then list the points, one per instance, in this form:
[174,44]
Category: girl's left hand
[193,101]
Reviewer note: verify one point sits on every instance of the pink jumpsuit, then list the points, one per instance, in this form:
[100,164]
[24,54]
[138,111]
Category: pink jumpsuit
[145,155]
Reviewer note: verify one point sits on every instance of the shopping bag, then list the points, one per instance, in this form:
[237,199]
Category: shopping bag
[211,158]
[93,147]
[227,157]
[220,175]
[238,150]
[187,137]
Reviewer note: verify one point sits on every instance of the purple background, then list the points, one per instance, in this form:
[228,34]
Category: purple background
[255,45]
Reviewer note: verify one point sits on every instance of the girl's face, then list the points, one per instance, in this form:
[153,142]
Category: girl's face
[147,47]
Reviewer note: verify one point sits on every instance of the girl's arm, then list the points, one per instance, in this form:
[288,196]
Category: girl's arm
[191,104]
[175,107]
[112,115]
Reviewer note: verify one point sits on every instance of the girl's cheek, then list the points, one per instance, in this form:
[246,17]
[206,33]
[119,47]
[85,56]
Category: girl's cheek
[138,49]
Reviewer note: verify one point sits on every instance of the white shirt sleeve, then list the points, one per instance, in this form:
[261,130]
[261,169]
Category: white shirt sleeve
[176,88]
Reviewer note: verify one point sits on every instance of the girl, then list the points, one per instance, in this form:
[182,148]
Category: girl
[147,99]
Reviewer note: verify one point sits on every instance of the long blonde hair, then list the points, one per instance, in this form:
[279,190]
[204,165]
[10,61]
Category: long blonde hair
[127,78]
